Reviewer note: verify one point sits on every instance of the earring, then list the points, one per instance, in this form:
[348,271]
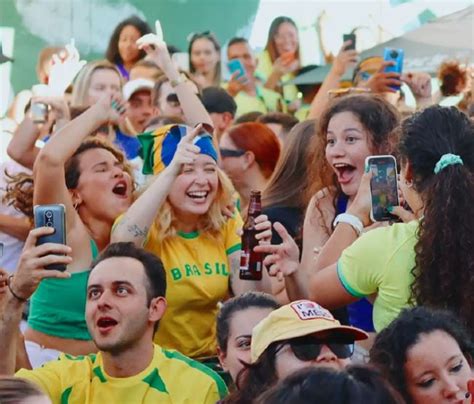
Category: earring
[75,205]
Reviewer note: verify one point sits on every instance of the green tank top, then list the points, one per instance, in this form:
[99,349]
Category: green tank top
[58,306]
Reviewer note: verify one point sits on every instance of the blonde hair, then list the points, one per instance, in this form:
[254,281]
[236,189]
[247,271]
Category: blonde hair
[83,81]
[211,222]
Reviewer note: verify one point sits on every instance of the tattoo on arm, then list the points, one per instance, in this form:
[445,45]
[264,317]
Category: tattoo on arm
[137,231]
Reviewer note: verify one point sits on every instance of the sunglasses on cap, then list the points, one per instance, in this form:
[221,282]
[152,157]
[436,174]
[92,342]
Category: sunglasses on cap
[231,153]
[308,348]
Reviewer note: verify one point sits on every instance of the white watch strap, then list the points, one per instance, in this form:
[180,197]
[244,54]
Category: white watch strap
[352,220]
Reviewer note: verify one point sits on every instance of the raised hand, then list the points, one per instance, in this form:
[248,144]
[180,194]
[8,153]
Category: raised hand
[236,84]
[187,151]
[345,59]
[155,47]
[362,203]
[381,81]
[57,104]
[111,109]
[33,260]
[282,259]
[419,83]
[63,71]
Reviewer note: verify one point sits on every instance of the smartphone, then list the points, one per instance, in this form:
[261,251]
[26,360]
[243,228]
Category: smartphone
[51,216]
[396,56]
[288,57]
[349,37]
[235,65]
[39,112]
[383,187]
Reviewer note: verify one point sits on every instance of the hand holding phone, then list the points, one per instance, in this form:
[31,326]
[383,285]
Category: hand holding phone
[236,66]
[53,216]
[395,56]
[383,187]
[349,37]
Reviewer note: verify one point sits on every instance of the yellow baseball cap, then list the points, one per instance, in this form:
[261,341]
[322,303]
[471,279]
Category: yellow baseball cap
[297,319]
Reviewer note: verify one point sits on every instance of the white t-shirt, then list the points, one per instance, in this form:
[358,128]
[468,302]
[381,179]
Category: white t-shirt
[12,246]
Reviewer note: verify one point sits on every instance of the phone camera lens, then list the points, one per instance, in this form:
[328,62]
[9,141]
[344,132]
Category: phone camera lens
[49,224]
[394,54]
[49,214]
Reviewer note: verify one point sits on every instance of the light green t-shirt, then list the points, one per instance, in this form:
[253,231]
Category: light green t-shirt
[264,69]
[380,263]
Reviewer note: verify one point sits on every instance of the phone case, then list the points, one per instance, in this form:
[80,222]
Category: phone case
[394,55]
[51,216]
[235,65]
[383,188]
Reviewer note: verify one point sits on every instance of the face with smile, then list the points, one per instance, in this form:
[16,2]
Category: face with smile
[140,109]
[104,188]
[194,189]
[347,146]
[240,336]
[286,38]
[436,371]
[117,312]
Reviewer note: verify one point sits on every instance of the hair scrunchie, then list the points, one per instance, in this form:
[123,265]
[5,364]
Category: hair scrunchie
[446,160]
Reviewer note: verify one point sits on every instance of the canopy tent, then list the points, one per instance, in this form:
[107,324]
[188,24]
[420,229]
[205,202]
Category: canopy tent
[448,37]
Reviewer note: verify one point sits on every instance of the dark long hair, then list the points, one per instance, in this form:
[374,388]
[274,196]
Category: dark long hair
[289,181]
[217,46]
[270,46]
[255,378]
[112,54]
[239,303]
[389,352]
[355,385]
[444,270]
[375,114]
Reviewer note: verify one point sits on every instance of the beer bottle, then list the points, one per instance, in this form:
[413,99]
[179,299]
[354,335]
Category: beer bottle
[251,261]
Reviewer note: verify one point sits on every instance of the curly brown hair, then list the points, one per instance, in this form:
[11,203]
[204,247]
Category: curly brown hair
[444,263]
[452,77]
[376,115]
[19,193]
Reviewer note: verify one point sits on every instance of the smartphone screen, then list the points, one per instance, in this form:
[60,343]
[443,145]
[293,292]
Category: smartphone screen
[395,56]
[235,65]
[349,37]
[383,187]
[51,216]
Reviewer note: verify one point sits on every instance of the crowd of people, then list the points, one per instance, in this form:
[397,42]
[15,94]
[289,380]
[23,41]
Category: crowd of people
[154,166]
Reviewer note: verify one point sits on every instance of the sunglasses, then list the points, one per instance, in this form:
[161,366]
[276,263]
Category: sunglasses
[308,348]
[231,153]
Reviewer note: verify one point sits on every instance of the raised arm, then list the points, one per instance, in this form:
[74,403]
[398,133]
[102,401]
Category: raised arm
[49,174]
[22,147]
[136,223]
[21,286]
[343,61]
[192,106]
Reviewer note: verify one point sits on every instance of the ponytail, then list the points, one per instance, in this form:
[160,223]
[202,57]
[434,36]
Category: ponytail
[444,263]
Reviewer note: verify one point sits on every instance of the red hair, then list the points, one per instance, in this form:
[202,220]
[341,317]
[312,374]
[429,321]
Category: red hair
[261,141]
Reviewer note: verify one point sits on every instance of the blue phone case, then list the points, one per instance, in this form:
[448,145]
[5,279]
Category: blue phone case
[235,65]
[394,55]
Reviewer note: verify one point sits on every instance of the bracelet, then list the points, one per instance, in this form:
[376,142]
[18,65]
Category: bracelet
[21,299]
[178,81]
[352,220]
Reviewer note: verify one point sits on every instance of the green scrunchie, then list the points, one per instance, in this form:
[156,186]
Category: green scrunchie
[447,160]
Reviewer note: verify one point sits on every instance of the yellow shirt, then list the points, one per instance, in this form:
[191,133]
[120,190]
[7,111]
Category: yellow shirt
[264,69]
[303,112]
[265,101]
[170,378]
[197,275]
[381,262]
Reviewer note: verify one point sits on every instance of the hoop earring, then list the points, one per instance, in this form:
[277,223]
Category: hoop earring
[75,205]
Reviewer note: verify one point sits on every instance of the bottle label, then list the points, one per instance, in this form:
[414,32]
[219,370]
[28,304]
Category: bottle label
[244,260]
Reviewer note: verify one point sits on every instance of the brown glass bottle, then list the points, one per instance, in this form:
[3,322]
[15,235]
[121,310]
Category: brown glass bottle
[251,261]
